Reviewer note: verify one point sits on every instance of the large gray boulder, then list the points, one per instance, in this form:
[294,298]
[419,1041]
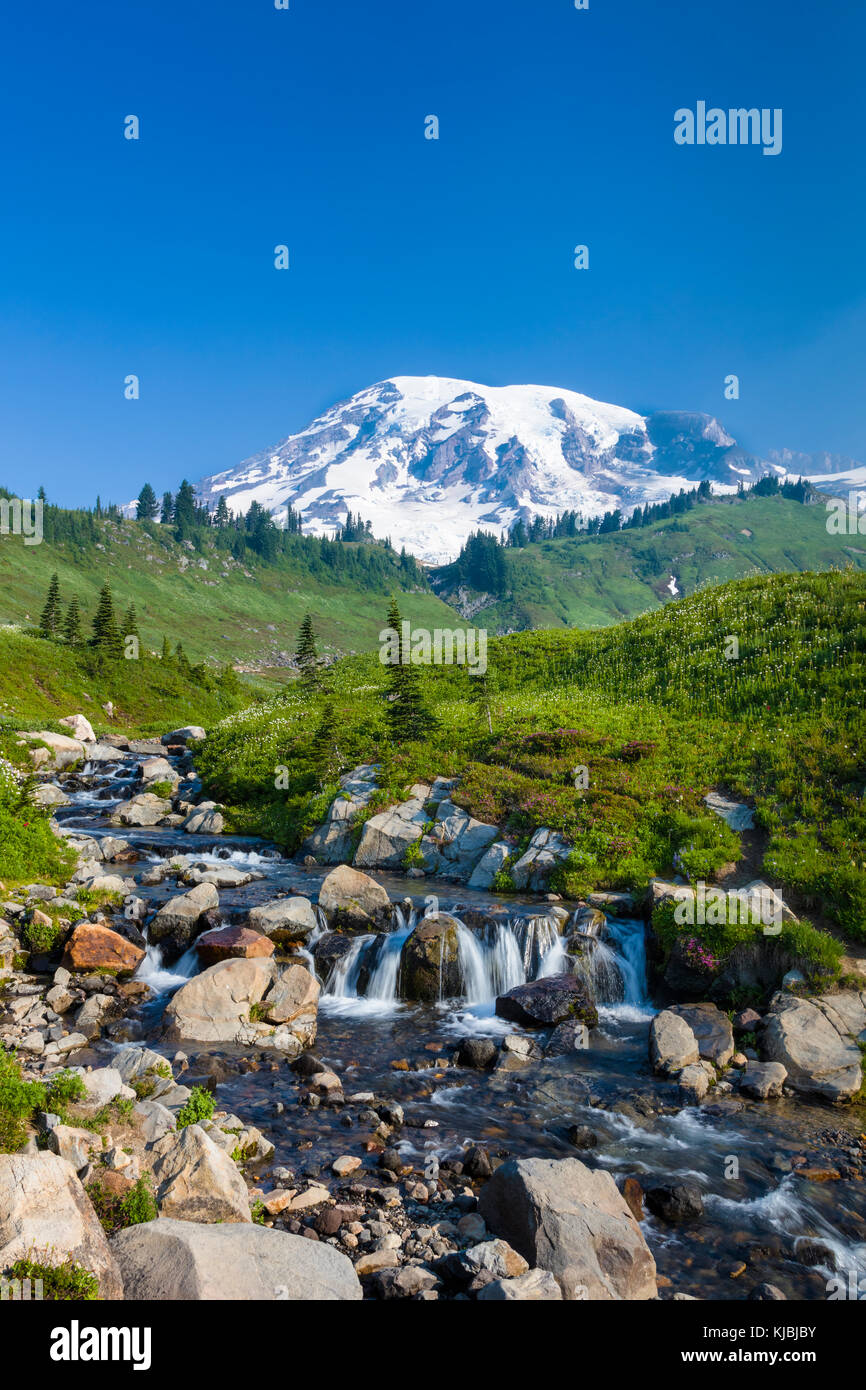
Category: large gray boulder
[813,1041]
[45,1214]
[430,960]
[215,1004]
[572,1221]
[184,735]
[712,1029]
[354,900]
[672,1044]
[489,865]
[196,1180]
[285,920]
[142,810]
[547,848]
[547,1001]
[331,843]
[386,837]
[206,819]
[183,1261]
[456,842]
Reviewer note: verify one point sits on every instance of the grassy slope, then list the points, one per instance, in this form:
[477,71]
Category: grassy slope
[593,581]
[218,616]
[566,699]
[41,682]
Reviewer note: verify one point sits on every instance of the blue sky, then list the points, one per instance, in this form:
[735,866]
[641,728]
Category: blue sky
[454,257]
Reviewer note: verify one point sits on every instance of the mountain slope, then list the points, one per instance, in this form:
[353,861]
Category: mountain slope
[592,581]
[428,460]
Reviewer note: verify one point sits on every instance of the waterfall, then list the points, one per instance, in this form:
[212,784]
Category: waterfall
[152,972]
[343,979]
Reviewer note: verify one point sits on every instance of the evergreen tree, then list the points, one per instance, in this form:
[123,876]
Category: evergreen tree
[165,654]
[72,624]
[147,507]
[166,514]
[222,514]
[106,638]
[49,623]
[307,655]
[481,691]
[324,752]
[130,622]
[185,508]
[406,713]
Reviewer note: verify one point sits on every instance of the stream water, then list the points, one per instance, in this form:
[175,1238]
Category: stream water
[744,1155]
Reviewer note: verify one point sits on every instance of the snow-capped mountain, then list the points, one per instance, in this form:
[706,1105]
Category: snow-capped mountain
[428,460]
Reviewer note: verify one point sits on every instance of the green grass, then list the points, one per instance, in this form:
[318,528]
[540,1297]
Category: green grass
[593,581]
[655,711]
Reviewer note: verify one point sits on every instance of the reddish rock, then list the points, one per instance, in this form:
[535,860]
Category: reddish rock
[633,1194]
[232,943]
[98,950]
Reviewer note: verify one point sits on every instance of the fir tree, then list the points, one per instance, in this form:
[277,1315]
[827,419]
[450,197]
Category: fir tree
[324,752]
[130,622]
[49,623]
[147,506]
[72,624]
[166,514]
[165,654]
[406,713]
[307,655]
[106,638]
[222,517]
[482,688]
[184,508]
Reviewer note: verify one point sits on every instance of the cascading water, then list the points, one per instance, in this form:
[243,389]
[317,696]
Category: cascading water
[161,979]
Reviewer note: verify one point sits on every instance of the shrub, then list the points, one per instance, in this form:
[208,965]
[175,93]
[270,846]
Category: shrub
[116,1212]
[200,1106]
[42,937]
[18,1100]
[64,1283]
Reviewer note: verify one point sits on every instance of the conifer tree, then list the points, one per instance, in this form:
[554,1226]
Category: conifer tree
[106,638]
[324,752]
[130,622]
[407,716]
[222,517]
[49,622]
[307,655]
[166,514]
[72,624]
[147,506]
[482,687]
[165,654]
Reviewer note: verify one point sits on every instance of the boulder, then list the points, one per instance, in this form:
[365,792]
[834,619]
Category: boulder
[694,1083]
[77,1146]
[547,848]
[46,1214]
[94,949]
[354,900]
[332,842]
[286,920]
[142,810]
[184,735]
[489,865]
[763,1080]
[61,750]
[295,992]
[47,794]
[206,819]
[177,922]
[737,814]
[430,960]
[550,1000]
[215,1004]
[180,1261]
[820,1059]
[159,770]
[79,727]
[386,837]
[196,1180]
[676,1202]
[232,943]
[672,1044]
[536,1286]
[456,842]
[221,876]
[711,1028]
[102,1085]
[573,1222]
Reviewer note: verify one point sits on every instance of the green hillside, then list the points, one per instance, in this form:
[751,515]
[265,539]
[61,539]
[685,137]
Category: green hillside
[223,609]
[658,712]
[591,581]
